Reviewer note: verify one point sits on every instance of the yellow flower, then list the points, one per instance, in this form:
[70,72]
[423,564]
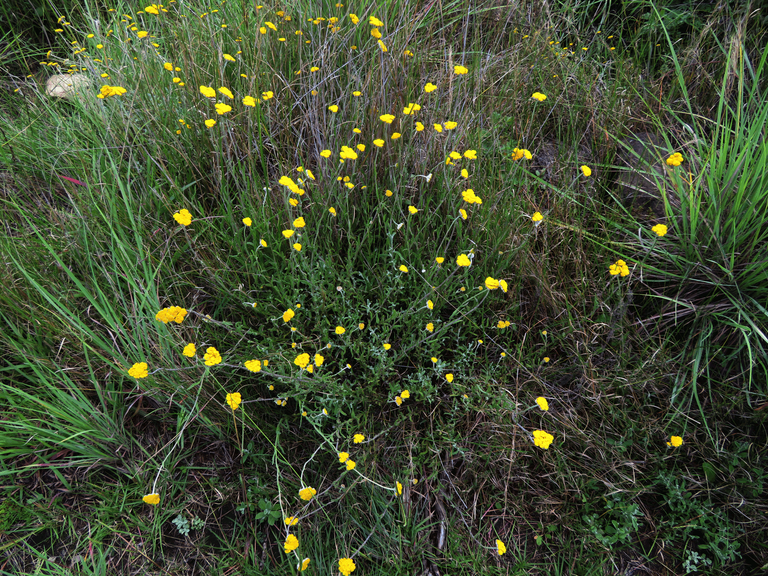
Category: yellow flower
[462,260]
[438,127]
[138,370]
[229,57]
[536,218]
[152,499]
[411,108]
[302,360]
[373,21]
[210,123]
[304,564]
[586,170]
[291,521]
[226,92]
[171,314]
[351,465]
[419,127]
[519,153]
[660,229]
[450,125]
[288,233]
[332,210]
[675,159]
[346,565]
[319,360]
[463,213]
[299,222]
[439,259]
[675,441]
[222,108]
[503,286]
[500,548]
[340,330]
[249,101]
[378,142]
[142,34]
[399,488]
[413,209]
[429,87]
[253,365]
[354,18]
[542,402]
[291,543]
[491,283]
[542,439]
[430,327]
[234,400]
[502,324]
[358,438]
[247,221]
[405,394]
[403,268]
[267,95]
[207,91]
[396,135]
[325,153]
[212,356]
[375,33]
[190,350]
[449,378]
[619,268]
[263,242]
[183,216]
[430,304]
[460,70]
[539,96]
[471,154]
[388,118]
[307,493]
[470,197]
[343,457]
[333,108]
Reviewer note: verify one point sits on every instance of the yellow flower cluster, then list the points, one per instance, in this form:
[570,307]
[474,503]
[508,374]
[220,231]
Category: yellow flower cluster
[660,229]
[183,216]
[519,153]
[138,370]
[109,91]
[307,493]
[675,441]
[233,400]
[346,566]
[542,439]
[212,357]
[675,159]
[171,314]
[619,268]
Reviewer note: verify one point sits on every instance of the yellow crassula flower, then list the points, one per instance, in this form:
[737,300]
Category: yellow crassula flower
[138,370]
[302,360]
[358,438]
[543,404]
[660,229]
[340,330]
[212,356]
[190,350]
[253,365]
[675,441]
[291,543]
[500,547]
[586,170]
[491,283]
[183,216]
[539,96]
[463,260]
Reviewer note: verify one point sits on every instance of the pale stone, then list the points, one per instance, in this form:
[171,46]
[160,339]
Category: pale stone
[68,86]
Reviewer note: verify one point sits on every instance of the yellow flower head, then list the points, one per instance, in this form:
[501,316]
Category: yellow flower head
[358,438]
[351,465]
[212,356]
[586,170]
[138,370]
[675,441]
[536,218]
[429,87]
[190,350]
[660,229]
[399,488]
[619,268]
[373,21]
[449,378]
[388,118]
[542,402]
[539,96]
[430,327]
[405,394]
[491,283]
[307,493]
[378,142]
[183,216]
[253,365]
[346,566]
[207,91]
[291,521]
[247,221]
[343,457]
[462,260]
[234,400]
[542,439]
[519,153]
[171,314]
[304,564]
[291,543]
[460,70]
[302,360]
[152,499]
[340,330]
[413,209]
[387,346]
[675,159]
[403,268]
